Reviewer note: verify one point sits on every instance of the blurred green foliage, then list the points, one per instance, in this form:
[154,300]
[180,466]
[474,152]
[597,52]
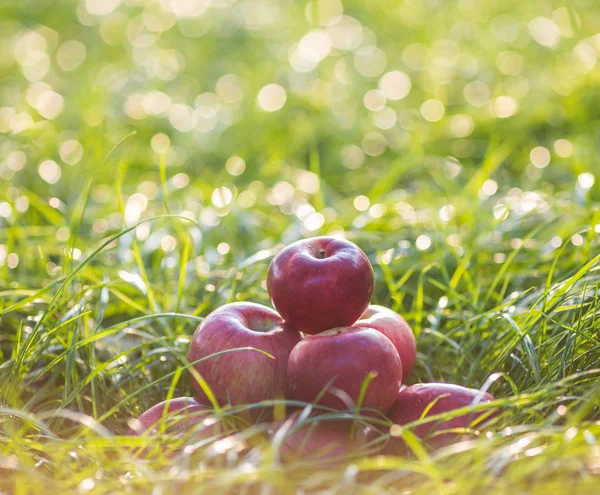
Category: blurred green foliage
[472,79]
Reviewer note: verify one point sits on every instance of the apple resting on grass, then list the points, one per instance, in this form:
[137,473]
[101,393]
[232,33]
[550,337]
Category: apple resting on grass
[320,283]
[181,414]
[393,326]
[439,398]
[329,442]
[184,416]
[332,366]
[248,376]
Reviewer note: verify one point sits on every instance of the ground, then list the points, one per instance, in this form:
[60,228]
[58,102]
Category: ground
[154,155]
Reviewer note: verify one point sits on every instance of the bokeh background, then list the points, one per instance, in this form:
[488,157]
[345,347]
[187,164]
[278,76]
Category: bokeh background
[280,119]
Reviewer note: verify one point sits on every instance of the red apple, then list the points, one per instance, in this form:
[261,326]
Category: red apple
[393,326]
[243,377]
[339,360]
[326,441]
[185,418]
[437,398]
[320,283]
[181,413]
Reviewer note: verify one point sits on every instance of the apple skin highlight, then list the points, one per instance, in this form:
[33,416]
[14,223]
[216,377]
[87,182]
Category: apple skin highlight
[395,328]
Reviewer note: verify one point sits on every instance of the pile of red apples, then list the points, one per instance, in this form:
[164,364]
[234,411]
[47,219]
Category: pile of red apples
[325,351]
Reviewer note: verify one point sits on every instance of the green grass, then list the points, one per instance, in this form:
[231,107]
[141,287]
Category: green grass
[106,272]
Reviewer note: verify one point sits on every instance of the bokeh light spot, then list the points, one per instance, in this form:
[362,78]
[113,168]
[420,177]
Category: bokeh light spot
[433,110]
[395,85]
[540,157]
[49,171]
[235,165]
[423,242]
[272,97]
[563,148]
[586,180]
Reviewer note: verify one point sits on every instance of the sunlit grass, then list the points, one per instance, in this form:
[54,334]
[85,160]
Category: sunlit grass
[155,155]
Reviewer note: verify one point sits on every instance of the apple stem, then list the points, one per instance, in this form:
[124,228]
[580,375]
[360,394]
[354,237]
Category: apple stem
[321,253]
